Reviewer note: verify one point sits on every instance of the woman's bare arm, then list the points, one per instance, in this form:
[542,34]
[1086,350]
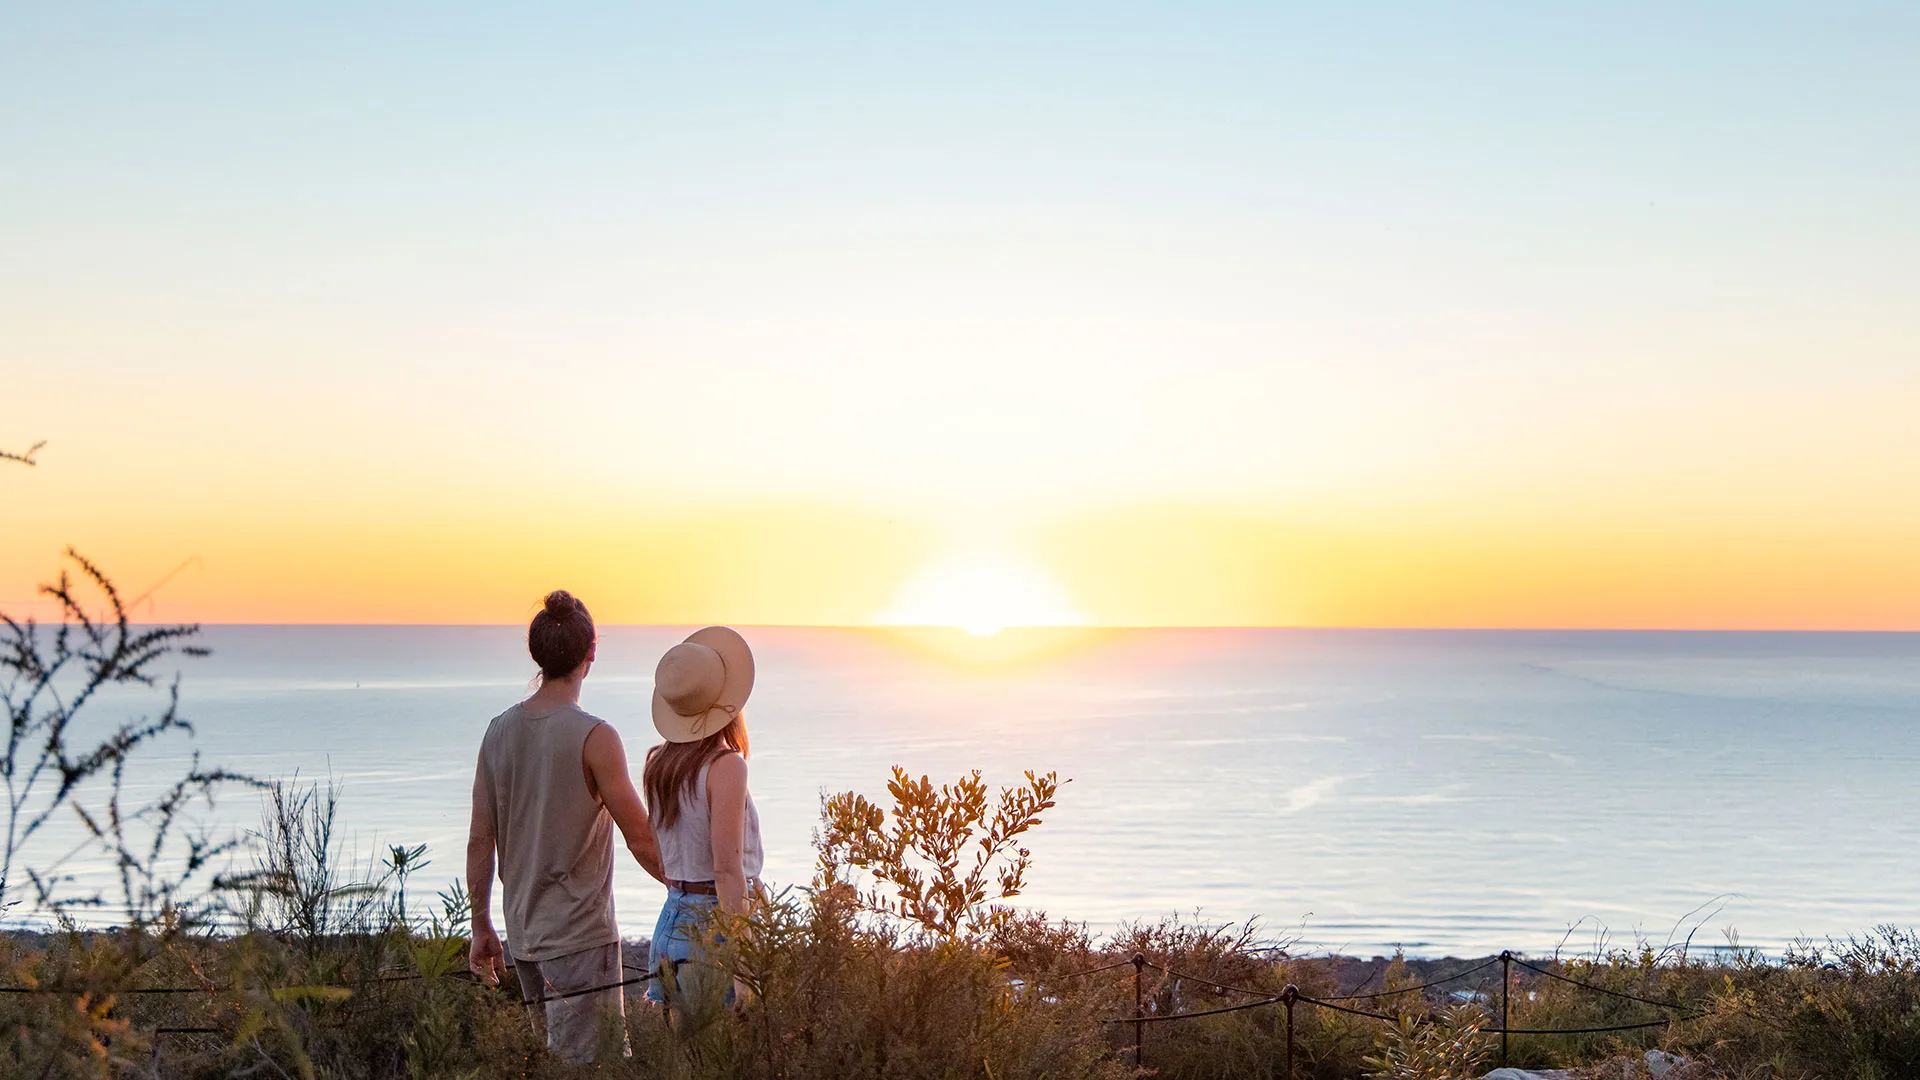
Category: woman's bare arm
[727,810]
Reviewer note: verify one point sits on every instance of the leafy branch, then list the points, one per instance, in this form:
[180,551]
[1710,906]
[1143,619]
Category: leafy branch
[916,852]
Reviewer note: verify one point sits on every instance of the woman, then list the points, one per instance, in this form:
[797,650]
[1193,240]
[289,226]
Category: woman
[696,789]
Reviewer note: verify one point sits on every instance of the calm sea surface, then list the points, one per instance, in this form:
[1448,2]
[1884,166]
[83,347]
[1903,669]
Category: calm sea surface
[1448,792]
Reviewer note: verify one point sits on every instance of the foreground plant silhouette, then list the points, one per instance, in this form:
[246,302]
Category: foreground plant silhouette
[48,677]
[26,458]
[915,851]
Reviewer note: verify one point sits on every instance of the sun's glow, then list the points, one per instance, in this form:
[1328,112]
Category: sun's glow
[981,594]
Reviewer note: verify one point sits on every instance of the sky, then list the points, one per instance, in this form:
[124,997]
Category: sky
[1477,314]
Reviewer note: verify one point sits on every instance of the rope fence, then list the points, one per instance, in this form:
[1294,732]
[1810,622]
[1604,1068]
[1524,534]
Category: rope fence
[1475,970]
[413,977]
[644,977]
[1290,997]
[1600,989]
[1096,970]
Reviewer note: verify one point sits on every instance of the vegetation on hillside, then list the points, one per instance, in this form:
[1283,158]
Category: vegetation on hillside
[321,973]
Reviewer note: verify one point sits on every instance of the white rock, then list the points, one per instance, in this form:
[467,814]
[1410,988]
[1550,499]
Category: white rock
[1660,1063]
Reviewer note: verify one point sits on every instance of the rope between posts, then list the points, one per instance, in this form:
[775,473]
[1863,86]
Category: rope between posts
[1456,977]
[1209,982]
[1589,1031]
[647,976]
[1602,989]
[1090,971]
[1191,1015]
[528,1004]
[590,990]
[188,1031]
[1348,1011]
[1422,986]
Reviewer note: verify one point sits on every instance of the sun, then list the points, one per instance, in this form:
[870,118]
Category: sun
[981,594]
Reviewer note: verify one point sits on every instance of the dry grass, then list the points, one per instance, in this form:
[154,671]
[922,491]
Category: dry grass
[840,996]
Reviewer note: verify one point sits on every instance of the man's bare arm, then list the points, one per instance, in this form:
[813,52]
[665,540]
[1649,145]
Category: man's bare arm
[606,763]
[485,956]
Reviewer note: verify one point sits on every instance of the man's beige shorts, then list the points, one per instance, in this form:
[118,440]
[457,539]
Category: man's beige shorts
[584,1028]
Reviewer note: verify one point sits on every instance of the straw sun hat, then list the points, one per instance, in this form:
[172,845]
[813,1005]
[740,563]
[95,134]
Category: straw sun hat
[701,684]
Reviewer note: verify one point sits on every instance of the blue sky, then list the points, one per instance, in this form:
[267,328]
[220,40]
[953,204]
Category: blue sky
[1471,141]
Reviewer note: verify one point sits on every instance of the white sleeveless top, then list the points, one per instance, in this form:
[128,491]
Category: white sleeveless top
[686,849]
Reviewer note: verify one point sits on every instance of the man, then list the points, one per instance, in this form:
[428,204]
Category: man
[550,784]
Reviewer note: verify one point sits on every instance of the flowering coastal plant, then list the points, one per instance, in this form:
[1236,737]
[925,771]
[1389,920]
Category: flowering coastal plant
[941,855]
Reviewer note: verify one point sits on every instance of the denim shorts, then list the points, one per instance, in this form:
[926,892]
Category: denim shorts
[680,935]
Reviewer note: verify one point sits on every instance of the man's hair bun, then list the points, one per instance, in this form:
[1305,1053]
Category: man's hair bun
[561,635]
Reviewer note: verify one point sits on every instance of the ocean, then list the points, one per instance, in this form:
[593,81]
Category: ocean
[1441,792]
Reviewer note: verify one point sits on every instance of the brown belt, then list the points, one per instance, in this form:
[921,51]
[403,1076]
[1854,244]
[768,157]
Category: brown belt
[702,888]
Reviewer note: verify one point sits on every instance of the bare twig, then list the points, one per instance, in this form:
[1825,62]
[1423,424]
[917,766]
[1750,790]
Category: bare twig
[26,458]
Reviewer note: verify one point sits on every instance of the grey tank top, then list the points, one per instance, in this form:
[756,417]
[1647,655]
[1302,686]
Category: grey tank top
[686,849]
[554,838]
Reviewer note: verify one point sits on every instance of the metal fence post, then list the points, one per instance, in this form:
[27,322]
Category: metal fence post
[1139,1028]
[1290,995]
[1506,980]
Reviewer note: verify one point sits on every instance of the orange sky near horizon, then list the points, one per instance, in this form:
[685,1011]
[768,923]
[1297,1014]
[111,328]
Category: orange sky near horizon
[1528,562]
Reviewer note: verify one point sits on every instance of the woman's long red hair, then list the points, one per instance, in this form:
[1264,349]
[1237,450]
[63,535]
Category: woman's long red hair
[672,768]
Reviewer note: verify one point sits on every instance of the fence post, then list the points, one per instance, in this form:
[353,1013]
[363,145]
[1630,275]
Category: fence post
[1290,995]
[1139,1029]
[1506,980]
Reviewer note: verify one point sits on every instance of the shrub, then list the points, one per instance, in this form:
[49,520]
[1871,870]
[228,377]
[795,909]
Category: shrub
[1448,1048]
[915,851]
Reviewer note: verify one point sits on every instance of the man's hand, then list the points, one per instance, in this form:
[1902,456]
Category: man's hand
[486,958]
